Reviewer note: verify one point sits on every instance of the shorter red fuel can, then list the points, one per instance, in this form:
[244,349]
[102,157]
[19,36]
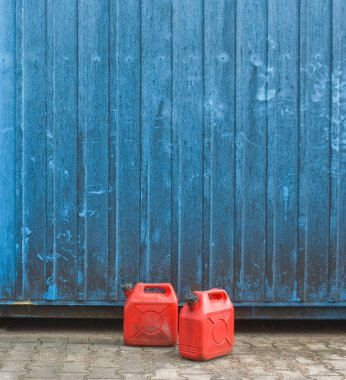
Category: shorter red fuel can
[206,325]
[150,315]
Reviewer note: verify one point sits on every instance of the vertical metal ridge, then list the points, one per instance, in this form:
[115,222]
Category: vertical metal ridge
[237,262]
[267,268]
[330,256]
[77,199]
[16,248]
[234,145]
[140,140]
[109,151]
[179,153]
[54,253]
[18,44]
[116,203]
[7,150]
[81,201]
[144,184]
[301,220]
[297,282]
[179,162]
[47,237]
[206,216]
[171,152]
[335,274]
[203,154]
[50,254]
[22,124]
[175,234]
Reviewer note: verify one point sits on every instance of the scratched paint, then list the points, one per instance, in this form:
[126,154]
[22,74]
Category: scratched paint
[197,142]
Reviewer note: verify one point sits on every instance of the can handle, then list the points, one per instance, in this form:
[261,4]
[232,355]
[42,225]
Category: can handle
[163,288]
[217,294]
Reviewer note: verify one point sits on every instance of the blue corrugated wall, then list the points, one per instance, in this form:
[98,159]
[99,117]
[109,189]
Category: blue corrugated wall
[197,142]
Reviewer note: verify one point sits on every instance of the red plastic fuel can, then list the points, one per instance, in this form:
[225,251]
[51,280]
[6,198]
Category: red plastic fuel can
[206,325]
[150,315]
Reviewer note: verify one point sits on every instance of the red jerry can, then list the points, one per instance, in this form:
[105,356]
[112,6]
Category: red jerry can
[206,325]
[150,315]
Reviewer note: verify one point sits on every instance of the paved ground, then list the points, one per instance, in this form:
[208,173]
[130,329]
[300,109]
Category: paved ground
[42,349]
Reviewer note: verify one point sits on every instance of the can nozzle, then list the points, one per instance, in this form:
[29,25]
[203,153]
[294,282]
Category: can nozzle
[127,289]
[191,299]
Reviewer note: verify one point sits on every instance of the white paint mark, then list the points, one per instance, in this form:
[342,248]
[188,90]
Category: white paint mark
[251,142]
[254,264]
[271,71]
[316,97]
[26,231]
[271,42]
[263,95]
[255,60]
[96,192]
[286,196]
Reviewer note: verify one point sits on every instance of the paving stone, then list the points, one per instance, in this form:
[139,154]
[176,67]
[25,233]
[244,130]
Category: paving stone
[73,367]
[12,375]
[327,355]
[17,356]
[13,366]
[42,372]
[134,376]
[292,375]
[103,373]
[256,369]
[305,360]
[104,362]
[317,369]
[72,376]
[133,364]
[339,365]
[234,375]
[167,374]
[316,346]
[43,378]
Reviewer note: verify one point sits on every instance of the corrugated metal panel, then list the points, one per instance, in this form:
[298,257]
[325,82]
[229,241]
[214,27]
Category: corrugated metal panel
[197,142]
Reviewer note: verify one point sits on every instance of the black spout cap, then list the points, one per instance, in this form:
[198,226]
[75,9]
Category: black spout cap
[191,299]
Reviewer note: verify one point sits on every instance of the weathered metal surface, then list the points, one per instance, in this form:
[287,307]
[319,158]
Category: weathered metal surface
[197,142]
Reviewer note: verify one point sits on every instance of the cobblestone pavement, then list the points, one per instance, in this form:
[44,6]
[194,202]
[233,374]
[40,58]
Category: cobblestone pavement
[56,349]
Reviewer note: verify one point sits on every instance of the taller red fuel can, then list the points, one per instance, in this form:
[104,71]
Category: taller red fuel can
[150,315]
[206,325]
